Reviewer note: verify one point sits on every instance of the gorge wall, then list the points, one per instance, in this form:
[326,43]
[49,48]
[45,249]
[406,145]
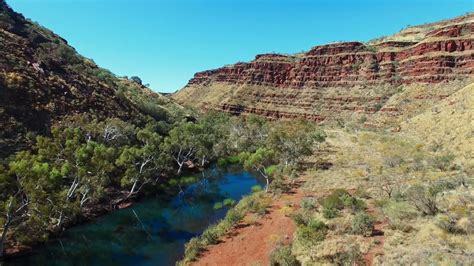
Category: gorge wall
[380,81]
[43,79]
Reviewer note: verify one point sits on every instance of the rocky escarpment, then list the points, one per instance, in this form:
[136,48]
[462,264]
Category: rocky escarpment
[343,77]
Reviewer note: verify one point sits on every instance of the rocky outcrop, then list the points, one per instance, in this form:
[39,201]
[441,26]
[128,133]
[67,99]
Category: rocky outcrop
[353,63]
[274,114]
[285,86]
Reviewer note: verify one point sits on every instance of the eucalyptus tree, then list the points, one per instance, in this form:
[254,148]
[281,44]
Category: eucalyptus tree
[292,141]
[143,163]
[217,128]
[12,206]
[260,161]
[248,133]
[94,164]
[188,143]
[13,211]
[39,182]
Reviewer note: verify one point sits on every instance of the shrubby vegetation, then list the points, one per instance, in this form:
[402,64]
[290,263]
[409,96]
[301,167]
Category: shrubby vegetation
[403,202]
[338,200]
[86,161]
[256,203]
[363,224]
[282,256]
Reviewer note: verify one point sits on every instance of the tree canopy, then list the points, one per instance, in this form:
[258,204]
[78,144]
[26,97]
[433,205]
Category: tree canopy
[85,161]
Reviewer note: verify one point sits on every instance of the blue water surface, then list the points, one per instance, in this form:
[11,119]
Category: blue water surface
[156,234]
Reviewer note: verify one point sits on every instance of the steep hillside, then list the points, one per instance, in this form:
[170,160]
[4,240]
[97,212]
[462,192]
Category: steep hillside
[448,125]
[43,79]
[346,80]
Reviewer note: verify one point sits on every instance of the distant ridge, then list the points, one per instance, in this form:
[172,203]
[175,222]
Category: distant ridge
[347,80]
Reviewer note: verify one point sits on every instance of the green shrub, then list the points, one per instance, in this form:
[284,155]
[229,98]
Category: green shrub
[280,185]
[270,170]
[107,77]
[334,201]
[361,192]
[330,213]
[188,180]
[351,255]
[233,217]
[398,210]
[317,225]
[258,207]
[299,218]
[136,80]
[381,202]
[211,235]
[154,110]
[449,225]
[66,54]
[371,48]
[282,256]
[352,203]
[255,203]
[443,162]
[310,236]
[233,159]
[308,203]
[222,162]
[423,198]
[363,224]
[309,232]
[192,249]
[443,185]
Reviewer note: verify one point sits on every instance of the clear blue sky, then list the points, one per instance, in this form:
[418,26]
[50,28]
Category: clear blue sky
[166,41]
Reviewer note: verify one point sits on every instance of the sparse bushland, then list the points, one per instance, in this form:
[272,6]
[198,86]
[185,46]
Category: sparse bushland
[415,195]
[402,202]
[325,225]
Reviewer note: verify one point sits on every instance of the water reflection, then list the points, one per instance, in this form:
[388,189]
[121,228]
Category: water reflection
[152,232]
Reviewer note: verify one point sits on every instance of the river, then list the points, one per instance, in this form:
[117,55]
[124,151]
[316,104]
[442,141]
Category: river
[152,231]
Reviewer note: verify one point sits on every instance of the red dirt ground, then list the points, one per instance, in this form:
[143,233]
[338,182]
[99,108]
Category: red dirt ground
[378,236]
[253,244]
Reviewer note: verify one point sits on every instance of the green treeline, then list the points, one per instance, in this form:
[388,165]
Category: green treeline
[86,162]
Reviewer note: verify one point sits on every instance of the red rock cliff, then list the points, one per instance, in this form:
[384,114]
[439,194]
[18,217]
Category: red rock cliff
[276,86]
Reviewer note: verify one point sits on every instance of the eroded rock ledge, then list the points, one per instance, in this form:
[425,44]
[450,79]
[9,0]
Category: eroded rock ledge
[340,77]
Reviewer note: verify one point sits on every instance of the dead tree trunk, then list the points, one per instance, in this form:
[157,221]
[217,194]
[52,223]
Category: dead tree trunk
[10,216]
[6,226]
[267,178]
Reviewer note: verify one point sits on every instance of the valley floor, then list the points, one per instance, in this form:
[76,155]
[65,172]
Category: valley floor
[380,170]
[252,241]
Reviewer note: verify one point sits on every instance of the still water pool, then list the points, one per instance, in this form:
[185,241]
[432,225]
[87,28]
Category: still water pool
[156,234]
